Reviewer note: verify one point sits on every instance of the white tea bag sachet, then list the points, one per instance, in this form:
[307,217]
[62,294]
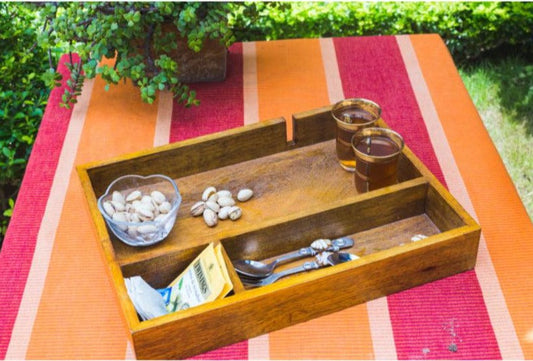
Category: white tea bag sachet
[147,301]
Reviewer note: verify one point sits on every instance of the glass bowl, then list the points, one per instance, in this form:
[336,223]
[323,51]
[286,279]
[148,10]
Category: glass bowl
[141,210]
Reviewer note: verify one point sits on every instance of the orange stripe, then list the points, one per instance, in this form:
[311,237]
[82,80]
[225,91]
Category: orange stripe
[290,78]
[288,84]
[503,219]
[78,317]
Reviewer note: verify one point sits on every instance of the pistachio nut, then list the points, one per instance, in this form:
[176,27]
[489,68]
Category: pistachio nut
[208,192]
[245,194]
[198,208]
[235,213]
[210,217]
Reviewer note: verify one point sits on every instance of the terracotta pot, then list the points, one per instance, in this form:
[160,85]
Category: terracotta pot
[209,64]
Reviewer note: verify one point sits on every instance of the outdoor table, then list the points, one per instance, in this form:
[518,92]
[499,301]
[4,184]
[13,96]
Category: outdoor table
[57,301]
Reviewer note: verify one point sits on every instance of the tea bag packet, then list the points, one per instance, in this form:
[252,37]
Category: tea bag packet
[205,279]
[148,302]
[228,285]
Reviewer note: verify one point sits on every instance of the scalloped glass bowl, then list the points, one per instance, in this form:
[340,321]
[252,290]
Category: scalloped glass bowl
[147,232]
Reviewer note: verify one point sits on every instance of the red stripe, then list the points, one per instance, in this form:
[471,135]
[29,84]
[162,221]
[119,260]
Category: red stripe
[419,316]
[21,237]
[221,108]
[432,320]
[237,351]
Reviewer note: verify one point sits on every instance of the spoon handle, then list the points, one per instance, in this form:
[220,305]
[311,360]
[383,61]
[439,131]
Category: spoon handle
[292,256]
[307,266]
[336,245]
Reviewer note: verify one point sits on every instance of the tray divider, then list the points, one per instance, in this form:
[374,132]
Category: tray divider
[313,126]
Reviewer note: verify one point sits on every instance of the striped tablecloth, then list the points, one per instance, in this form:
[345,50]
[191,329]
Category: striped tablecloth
[56,301]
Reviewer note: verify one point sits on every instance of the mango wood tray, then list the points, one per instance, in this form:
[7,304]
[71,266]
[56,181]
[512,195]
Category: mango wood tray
[301,194]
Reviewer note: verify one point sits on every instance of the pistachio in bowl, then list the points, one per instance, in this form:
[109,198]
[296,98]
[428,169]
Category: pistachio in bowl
[141,210]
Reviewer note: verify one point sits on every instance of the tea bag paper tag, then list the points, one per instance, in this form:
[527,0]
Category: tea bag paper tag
[148,302]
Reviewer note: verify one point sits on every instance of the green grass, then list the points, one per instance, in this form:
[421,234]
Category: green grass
[502,91]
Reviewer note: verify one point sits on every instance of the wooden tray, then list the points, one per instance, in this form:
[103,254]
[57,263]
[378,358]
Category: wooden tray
[301,194]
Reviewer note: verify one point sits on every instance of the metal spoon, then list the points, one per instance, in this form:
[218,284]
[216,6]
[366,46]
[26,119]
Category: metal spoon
[331,260]
[256,269]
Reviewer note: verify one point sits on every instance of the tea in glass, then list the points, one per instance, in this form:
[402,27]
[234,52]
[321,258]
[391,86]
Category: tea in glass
[352,115]
[377,151]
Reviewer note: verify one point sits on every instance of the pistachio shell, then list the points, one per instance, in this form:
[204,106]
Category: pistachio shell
[235,213]
[245,194]
[210,217]
[226,201]
[136,204]
[118,197]
[198,208]
[119,206]
[224,193]
[133,196]
[165,207]
[158,197]
[146,229]
[132,231]
[146,199]
[134,217]
[159,217]
[108,208]
[121,217]
[208,192]
[224,212]
[145,212]
[148,203]
[213,206]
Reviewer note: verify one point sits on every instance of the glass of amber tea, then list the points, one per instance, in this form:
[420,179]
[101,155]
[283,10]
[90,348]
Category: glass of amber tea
[377,151]
[352,115]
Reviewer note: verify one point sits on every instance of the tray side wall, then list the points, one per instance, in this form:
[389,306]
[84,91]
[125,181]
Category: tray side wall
[195,155]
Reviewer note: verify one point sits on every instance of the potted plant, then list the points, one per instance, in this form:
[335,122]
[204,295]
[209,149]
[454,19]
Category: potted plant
[158,45]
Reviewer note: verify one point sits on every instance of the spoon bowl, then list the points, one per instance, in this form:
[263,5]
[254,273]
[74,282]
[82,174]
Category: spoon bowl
[255,269]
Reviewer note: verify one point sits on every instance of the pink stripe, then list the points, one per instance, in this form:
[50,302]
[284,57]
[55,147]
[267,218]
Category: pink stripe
[221,108]
[237,351]
[422,317]
[221,105]
[19,243]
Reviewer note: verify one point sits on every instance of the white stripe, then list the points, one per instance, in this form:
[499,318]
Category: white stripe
[259,348]
[381,329]
[130,352]
[378,311]
[22,330]
[249,77]
[331,69]
[164,117]
[492,293]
